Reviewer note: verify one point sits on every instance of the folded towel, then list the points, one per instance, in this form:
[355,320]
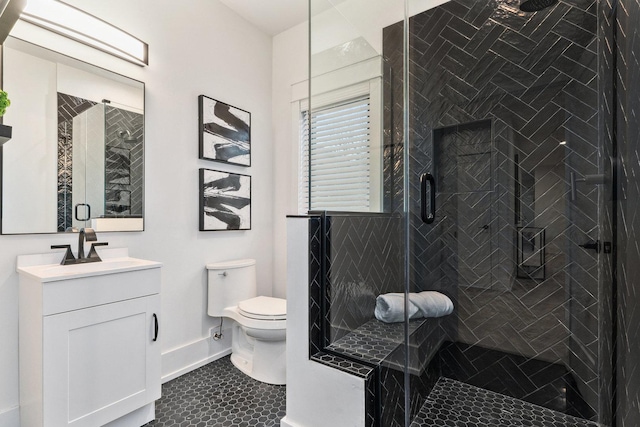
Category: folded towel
[390,307]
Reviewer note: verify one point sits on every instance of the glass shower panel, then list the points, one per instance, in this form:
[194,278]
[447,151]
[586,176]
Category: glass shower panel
[352,127]
[342,121]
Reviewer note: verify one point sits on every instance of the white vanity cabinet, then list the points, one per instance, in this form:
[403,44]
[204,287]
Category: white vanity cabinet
[89,347]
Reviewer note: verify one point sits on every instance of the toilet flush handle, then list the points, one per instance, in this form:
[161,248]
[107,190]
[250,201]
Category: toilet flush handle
[223,274]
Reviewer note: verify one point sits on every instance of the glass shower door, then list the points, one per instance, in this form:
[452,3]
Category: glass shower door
[504,111]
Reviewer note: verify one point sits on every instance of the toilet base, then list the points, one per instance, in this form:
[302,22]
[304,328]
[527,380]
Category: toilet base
[262,360]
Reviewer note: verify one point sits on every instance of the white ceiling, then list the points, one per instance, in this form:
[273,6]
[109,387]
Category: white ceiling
[271,16]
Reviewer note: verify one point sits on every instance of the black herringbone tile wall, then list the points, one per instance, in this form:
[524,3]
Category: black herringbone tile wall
[503,110]
[364,260]
[316,338]
[628,260]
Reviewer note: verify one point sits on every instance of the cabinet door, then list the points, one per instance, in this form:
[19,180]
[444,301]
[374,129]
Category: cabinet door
[100,363]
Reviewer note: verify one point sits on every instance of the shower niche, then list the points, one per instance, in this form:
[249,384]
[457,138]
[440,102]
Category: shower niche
[463,159]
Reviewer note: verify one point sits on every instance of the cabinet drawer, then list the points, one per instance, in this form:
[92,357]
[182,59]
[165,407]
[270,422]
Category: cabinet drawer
[74,294]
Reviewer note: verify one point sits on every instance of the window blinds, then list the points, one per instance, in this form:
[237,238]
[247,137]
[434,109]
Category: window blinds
[340,167]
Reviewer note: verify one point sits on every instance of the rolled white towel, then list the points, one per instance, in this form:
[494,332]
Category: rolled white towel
[432,303]
[390,308]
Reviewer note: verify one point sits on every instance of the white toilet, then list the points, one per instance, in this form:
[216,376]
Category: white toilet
[258,338]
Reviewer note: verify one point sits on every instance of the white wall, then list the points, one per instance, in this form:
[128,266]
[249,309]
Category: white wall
[290,66]
[202,48]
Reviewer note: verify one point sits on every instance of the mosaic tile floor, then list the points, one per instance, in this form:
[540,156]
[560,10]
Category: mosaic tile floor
[218,394]
[452,403]
[535,381]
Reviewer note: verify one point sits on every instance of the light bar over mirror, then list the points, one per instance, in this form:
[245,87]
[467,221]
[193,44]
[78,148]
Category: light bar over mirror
[75,24]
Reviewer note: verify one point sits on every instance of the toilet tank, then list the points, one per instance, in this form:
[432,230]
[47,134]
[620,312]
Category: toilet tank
[230,282]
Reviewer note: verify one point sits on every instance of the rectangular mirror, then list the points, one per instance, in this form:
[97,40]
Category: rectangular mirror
[76,157]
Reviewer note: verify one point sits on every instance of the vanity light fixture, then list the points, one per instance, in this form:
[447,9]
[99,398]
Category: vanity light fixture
[75,24]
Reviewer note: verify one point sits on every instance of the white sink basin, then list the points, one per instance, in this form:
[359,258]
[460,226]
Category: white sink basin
[55,272]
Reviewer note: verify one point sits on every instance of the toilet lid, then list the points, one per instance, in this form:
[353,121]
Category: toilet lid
[264,308]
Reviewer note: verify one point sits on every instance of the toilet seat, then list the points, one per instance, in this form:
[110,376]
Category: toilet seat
[263,308]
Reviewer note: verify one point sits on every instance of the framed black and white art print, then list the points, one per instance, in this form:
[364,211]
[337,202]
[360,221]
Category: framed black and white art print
[225,132]
[225,201]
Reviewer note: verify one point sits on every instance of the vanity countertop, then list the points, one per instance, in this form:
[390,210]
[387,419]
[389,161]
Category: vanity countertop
[47,267]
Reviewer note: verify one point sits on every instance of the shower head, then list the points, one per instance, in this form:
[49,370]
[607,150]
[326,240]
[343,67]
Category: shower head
[126,136]
[536,5]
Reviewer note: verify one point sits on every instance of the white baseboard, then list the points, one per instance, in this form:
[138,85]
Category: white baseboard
[10,417]
[180,360]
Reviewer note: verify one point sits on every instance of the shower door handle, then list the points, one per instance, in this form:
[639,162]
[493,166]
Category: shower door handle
[428,214]
[88,212]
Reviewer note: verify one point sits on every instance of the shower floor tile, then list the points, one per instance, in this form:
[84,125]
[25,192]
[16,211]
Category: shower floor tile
[452,403]
[218,394]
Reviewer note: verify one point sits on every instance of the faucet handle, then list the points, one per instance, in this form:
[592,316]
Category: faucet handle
[93,254]
[68,255]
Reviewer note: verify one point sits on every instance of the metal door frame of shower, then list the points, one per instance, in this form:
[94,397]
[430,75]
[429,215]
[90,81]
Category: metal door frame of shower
[614,213]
